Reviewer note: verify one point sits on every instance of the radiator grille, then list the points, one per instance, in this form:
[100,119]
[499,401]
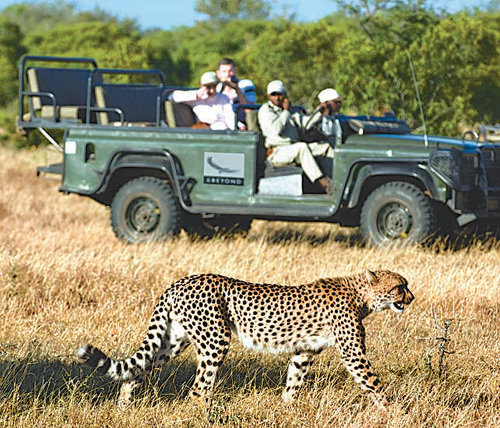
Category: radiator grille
[491,162]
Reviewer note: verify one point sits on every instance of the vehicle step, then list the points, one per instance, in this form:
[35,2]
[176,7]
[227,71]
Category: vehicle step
[54,168]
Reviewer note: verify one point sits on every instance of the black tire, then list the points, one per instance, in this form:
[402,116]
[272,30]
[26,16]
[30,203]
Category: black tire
[397,213]
[145,209]
[221,226]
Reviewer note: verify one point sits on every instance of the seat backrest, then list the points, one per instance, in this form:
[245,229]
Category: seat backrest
[68,85]
[137,102]
[252,121]
[179,114]
[31,77]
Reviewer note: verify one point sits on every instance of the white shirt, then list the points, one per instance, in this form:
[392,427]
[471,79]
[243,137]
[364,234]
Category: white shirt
[216,110]
[330,126]
[280,127]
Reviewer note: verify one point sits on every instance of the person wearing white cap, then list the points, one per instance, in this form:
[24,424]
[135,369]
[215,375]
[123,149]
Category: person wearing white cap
[282,128]
[330,103]
[212,109]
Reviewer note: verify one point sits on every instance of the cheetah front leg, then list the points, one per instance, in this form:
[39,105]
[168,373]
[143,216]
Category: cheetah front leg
[299,365]
[353,354]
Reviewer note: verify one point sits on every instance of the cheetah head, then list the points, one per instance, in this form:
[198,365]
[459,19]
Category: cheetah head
[389,290]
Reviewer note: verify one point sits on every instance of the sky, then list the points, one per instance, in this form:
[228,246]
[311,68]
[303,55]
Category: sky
[167,14]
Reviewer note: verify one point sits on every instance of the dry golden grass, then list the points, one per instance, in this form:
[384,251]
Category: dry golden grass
[65,280]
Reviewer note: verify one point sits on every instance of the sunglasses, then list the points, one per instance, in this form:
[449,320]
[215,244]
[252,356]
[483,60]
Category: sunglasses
[274,94]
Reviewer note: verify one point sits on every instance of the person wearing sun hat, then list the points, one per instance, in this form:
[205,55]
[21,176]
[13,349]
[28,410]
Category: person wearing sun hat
[210,107]
[282,130]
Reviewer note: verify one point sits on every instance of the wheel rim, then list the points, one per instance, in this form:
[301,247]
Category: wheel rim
[394,221]
[143,215]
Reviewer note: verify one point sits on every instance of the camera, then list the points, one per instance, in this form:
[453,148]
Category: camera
[234,79]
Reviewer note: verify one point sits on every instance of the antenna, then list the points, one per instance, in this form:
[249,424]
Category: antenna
[418,99]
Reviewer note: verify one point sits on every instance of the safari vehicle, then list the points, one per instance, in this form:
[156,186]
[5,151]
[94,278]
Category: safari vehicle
[127,146]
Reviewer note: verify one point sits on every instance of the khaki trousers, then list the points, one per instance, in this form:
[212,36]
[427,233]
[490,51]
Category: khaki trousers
[302,154]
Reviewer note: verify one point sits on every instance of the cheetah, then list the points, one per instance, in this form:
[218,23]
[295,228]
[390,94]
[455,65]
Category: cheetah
[298,320]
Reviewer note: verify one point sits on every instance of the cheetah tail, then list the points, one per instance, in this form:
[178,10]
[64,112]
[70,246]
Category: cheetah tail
[96,359]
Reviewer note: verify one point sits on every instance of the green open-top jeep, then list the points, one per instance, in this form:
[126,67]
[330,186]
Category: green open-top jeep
[128,146]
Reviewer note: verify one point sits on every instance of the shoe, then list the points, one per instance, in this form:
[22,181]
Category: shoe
[326,184]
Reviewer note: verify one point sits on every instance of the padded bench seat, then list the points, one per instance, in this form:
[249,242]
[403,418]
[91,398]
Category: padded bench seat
[125,103]
[59,94]
[179,114]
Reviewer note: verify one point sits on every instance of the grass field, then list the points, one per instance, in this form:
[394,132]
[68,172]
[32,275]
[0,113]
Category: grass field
[66,280]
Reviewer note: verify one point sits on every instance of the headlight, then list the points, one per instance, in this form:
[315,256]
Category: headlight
[446,164]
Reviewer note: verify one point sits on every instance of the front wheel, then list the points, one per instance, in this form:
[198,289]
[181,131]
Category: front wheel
[397,213]
[145,209]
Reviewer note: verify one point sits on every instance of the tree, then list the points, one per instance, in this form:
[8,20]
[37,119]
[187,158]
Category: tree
[41,16]
[226,10]
[10,51]
[455,62]
[393,21]
[304,56]
[197,49]
[157,48]
[112,45]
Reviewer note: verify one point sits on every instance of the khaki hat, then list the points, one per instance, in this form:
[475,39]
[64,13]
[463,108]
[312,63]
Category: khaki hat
[209,78]
[329,94]
[276,86]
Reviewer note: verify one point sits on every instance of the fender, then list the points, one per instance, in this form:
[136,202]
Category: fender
[387,168]
[156,159]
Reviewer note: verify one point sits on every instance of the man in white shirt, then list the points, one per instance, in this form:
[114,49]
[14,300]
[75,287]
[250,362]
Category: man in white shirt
[210,107]
[282,128]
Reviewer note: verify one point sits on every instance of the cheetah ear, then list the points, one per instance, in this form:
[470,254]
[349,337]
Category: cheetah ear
[370,276]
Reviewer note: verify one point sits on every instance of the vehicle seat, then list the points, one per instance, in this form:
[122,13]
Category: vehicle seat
[179,114]
[130,104]
[61,93]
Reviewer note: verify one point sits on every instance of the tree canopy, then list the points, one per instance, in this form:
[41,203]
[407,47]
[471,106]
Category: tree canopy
[226,10]
[363,51]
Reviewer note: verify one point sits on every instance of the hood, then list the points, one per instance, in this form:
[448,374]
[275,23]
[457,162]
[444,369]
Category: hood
[436,141]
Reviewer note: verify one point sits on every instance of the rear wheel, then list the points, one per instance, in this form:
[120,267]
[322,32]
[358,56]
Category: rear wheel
[397,213]
[145,209]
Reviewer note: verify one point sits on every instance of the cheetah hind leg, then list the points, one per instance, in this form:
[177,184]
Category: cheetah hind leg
[298,367]
[210,359]
[173,342]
